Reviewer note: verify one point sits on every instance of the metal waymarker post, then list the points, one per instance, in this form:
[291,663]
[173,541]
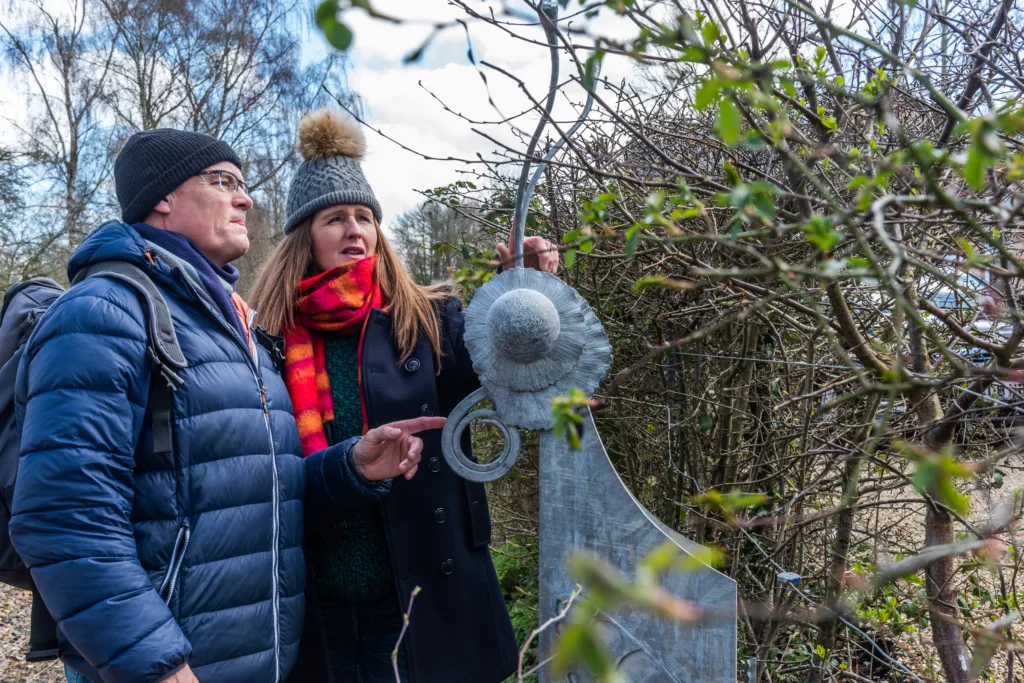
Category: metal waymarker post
[532,337]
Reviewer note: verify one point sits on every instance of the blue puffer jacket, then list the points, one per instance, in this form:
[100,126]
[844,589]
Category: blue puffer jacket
[104,523]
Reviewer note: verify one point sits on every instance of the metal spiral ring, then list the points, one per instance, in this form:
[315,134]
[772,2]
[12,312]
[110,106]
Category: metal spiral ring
[451,442]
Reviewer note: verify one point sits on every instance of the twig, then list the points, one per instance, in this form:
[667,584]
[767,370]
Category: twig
[401,634]
[547,624]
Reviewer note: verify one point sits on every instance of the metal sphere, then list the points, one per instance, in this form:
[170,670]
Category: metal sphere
[523,325]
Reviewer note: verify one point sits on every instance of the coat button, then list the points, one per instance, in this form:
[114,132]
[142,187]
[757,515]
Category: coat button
[447,567]
[425,410]
[440,516]
[434,464]
[412,365]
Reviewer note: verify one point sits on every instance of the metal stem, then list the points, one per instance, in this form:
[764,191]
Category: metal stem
[548,13]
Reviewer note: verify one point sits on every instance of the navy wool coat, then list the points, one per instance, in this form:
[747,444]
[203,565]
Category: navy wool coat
[437,524]
[149,562]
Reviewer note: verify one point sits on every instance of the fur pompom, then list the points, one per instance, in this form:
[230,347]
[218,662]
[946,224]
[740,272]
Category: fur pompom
[330,133]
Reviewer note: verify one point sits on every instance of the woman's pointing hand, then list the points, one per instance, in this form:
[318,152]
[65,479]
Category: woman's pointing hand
[393,449]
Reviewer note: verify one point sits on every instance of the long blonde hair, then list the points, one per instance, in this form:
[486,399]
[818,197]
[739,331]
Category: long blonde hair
[412,306]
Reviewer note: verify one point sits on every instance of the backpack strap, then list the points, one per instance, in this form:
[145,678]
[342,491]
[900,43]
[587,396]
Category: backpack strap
[161,415]
[164,350]
[162,337]
[42,640]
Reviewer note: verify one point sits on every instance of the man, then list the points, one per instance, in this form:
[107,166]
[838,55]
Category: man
[174,558]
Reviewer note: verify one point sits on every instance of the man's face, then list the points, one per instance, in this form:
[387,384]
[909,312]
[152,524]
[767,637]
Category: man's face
[207,212]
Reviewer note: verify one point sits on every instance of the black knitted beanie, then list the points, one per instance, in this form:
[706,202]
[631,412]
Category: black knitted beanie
[153,163]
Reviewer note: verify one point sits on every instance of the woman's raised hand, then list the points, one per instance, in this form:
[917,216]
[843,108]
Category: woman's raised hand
[538,254]
[393,449]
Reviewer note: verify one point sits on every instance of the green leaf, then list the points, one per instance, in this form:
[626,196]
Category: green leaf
[591,70]
[728,123]
[326,11]
[570,257]
[631,237]
[568,646]
[706,93]
[753,140]
[659,281]
[818,231]
[731,174]
[700,557]
[337,34]
[684,214]
[857,262]
[709,31]
[974,169]
[706,422]
[692,53]
[661,558]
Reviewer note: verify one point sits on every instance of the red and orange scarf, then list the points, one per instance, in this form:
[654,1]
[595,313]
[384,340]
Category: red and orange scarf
[338,300]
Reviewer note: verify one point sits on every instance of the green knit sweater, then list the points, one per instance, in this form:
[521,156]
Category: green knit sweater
[351,559]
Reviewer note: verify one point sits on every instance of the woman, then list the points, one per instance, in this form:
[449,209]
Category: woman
[365,346]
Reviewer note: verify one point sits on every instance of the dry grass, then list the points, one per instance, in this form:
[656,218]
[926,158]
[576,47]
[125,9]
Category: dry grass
[15,608]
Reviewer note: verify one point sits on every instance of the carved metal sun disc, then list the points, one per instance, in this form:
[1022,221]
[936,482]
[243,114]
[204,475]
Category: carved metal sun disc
[524,330]
[531,338]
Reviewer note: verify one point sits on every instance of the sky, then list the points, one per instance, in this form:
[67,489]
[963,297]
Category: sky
[407,101]
[398,97]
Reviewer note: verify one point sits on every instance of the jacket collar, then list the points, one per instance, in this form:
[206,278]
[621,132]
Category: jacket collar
[117,241]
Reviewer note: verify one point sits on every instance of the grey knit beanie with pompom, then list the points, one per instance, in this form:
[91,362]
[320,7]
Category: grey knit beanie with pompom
[331,145]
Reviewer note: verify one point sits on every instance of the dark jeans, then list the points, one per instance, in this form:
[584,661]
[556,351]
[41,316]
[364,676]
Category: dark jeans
[360,638]
[73,676]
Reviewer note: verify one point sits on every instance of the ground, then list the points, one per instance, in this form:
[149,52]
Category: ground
[15,607]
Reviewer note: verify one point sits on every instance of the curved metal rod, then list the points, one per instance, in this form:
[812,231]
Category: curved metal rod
[561,141]
[548,13]
[451,442]
[523,197]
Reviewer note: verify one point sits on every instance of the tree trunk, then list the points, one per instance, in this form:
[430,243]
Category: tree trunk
[947,634]
[841,547]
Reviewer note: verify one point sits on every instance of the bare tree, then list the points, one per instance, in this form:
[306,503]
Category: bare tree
[431,238]
[103,69]
[65,59]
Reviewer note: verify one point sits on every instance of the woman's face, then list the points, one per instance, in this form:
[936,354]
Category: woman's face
[342,234]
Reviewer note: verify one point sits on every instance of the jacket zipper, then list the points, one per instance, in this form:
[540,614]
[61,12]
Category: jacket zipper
[276,532]
[254,368]
[174,566]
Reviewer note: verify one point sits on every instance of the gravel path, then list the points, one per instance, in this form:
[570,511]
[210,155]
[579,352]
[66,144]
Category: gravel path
[15,608]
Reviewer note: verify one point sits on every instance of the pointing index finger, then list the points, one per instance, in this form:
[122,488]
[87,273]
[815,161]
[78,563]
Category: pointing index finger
[418,424]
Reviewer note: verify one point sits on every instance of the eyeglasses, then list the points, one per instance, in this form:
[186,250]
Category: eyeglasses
[227,180]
